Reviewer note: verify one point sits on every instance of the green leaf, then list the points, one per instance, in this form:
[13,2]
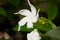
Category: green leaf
[54,34]
[45,38]
[15,28]
[3,12]
[23,28]
[43,25]
[52,11]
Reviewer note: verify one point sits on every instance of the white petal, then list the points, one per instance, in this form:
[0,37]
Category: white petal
[35,18]
[22,22]
[19,28]
[34,35]
[33,9]
[24,12]
[38,12]
[29,24]
[16,13]
[29,37]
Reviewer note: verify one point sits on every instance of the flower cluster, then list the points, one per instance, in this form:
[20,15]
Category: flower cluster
[30,18]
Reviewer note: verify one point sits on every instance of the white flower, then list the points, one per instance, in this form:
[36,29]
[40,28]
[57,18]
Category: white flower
[34,35]
[30,16]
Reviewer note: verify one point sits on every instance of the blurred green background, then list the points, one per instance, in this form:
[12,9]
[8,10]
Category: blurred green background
[49,13]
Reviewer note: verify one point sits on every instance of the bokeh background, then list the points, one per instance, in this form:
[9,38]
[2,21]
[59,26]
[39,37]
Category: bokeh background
[49,9]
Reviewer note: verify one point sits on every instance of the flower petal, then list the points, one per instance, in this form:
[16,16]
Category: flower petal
[16,13]
[24,12]
[34,35]
[33,9]
[38,12]
[29,37]
[19,28]
[29,24]
[35,18]
[22,22]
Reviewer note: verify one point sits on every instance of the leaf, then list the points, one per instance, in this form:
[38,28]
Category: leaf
[54,34]
[45,38]
[52,11]
[3,12]
[15,28]
[43,25]
[23,28]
